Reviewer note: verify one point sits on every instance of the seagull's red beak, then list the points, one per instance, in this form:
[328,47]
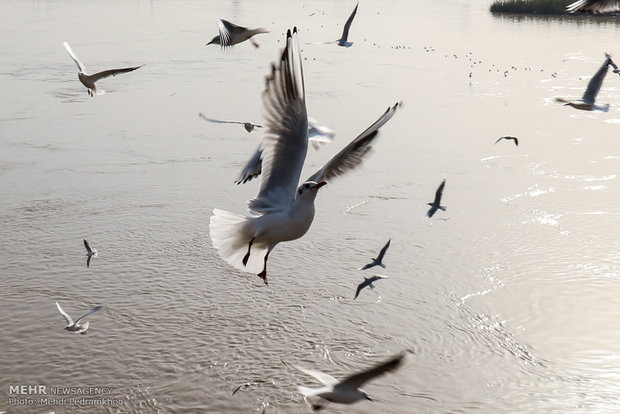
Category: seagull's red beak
[319,185]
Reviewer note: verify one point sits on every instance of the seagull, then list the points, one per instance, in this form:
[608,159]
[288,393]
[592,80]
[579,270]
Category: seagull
[345,33]
[231,34]
[248,384]
[512,138]
[346,391]
[368,282]
[90,253]
[317,135]
[594,6]
[436,204]
[282,211]
[249,126]
[586,103]
[89,80]
[379,260]
[75,326]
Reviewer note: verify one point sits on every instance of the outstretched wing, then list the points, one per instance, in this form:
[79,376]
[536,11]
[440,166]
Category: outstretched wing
[112,72]
[595,83]
[252,168]
[227,32]
[351,156]
[347,26]
[285,143]
[64,314]
[88,249]
[439,192]
[356,380]
[383,250]
[80,67]
[96,309]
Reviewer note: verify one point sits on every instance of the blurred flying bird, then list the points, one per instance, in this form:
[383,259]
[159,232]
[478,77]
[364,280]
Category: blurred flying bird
[249,126]
[248,384]
[90,253]
[594,6]
[586,103]
[231,34]
[508,138]
[282,211]
[368,281]
[76,326]
[379,260]
[89,80]
[345,32]
[346,391]
[436,204]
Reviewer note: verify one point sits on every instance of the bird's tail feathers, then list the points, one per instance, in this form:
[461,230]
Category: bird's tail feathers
[442,208]
[562,100]
[230,234]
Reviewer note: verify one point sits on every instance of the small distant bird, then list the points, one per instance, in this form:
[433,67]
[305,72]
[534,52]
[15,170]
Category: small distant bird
[76,326]
[345,32]
[90,253]
[379,260]
[89,80]
[231,34]
[346,391]
[368,281]
[248,384]
[249,126]
[508,138]
[436,204]
[586,103]
[317,135]
[594,6]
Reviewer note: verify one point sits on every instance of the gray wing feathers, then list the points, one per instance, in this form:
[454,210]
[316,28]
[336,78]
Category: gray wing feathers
[351,156]
[96,309]
[252,168]
[347,26]
[112,72]
[359,379]
[64,314]
[594,6]
[595,83]
[285,143]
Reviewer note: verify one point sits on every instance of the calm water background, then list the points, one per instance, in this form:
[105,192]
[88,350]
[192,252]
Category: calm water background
[510,304]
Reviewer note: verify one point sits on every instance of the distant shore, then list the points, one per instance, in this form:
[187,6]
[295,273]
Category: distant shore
[535,7]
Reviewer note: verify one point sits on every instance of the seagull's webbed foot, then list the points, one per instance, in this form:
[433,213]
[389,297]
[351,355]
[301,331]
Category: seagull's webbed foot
[247,255]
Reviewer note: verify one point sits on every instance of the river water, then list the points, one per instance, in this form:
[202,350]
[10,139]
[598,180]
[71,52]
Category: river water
[508,300]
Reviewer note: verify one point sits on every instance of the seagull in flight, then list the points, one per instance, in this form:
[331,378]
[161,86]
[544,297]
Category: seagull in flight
[436,204]
[348,390]
[368,281]
[90,252]
[249,126]
[89,80]
[231,34]
[76,326]
[282,210]
[345,32]
[508,138]
[586,103]
[317,135]
[594,6]
[248,384]
[379,260]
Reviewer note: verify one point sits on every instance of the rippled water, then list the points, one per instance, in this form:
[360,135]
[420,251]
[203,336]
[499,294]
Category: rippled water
[508,300]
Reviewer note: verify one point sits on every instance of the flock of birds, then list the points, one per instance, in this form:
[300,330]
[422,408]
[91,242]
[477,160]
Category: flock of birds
[283,209]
